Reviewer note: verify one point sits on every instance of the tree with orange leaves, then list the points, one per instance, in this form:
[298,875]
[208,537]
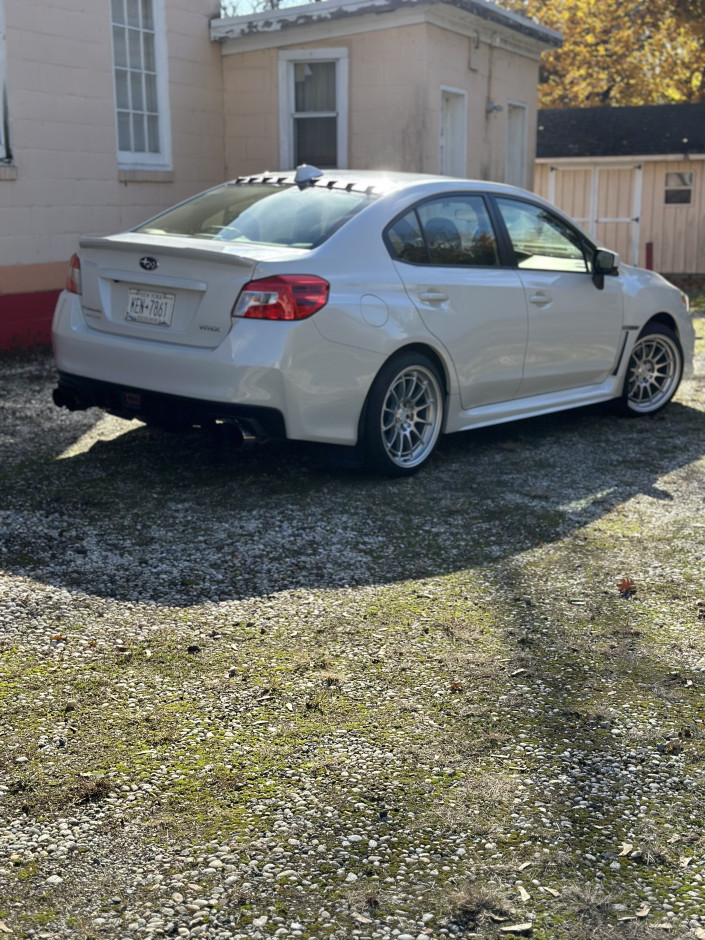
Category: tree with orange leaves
[620,52]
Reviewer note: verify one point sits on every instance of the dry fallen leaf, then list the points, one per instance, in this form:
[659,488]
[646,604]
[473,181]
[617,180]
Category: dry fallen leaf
[360,918]
[553,892]
[524,894]
[684,861]
[643,911]
[626,587]
[517,928]
[4,928]
[524,865]
[627,849]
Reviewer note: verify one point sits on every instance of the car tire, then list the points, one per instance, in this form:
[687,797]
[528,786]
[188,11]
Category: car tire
[403,415]
[654,372]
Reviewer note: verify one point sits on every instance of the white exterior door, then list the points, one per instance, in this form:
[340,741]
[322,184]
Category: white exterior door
[453,133]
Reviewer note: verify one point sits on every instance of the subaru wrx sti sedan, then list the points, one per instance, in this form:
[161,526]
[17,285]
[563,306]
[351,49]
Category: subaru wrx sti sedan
[372,310]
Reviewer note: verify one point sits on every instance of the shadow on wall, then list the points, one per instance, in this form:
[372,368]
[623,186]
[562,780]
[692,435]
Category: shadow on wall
[181,519]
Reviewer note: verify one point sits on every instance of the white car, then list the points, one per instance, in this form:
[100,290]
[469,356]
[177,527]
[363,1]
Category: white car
[370,309]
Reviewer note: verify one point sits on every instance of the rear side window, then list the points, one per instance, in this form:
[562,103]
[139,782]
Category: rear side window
[452,230]
[261,213]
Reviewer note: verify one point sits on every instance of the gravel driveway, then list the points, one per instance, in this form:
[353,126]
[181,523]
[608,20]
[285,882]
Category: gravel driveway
[262,694]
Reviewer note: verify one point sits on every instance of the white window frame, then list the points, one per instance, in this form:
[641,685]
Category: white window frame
[678,187]
[519,105]
[127,159]
[5,152]
[287,60]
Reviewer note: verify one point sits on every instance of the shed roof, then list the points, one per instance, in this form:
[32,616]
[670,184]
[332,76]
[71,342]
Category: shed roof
[611,132]
[334,10]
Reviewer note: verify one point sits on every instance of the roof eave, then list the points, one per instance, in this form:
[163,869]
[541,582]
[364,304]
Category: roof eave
[272,22]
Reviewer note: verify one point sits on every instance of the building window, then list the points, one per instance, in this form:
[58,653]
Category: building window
[313,96]
[5,154]
[140,83]
[679,188]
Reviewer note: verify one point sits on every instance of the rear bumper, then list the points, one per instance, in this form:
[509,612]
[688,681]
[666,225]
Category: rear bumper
[78,393]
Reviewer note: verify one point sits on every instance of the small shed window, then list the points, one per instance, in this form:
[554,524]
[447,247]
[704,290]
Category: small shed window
[679,188]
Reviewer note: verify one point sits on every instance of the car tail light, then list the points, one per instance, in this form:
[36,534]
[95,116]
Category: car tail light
[284,297]
[73,275]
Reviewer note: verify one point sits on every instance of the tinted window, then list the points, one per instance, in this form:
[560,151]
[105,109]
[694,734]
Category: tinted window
[541,240]
[261,213]
[453,230]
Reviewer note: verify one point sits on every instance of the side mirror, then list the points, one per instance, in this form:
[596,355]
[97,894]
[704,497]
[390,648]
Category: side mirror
[603,262]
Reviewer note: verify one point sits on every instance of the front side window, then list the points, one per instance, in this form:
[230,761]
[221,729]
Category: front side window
[454,230]
[313,107]
[541,240]
[262,213]
[679,189]
[4,107]
[140,90]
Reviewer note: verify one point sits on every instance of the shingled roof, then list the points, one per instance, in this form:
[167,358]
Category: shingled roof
[615,132]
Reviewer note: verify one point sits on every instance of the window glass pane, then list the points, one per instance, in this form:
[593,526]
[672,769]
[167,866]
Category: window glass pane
[679,179]
[147,15]
[406,241]
[138,135]
[150,82]
[260,213]
[124,136]
[148,45]
[133,13]
[136,89]
[120,46]
[678,197]
[458,230]
[315,141]
[153,133]
[117,8]
[314,86]
[135,48]
[542,241]
[122,94]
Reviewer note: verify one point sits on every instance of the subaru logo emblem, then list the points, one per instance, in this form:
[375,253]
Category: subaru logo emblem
[149,264]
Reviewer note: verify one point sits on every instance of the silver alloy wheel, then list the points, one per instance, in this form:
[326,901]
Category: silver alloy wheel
[654,372]
[411,416]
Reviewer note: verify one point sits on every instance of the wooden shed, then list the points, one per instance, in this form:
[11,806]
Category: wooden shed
[634,178]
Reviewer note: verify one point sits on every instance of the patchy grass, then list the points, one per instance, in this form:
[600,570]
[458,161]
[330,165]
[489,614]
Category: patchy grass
[195,644]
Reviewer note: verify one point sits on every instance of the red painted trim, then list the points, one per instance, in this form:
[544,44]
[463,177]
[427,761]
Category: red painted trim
[25,319]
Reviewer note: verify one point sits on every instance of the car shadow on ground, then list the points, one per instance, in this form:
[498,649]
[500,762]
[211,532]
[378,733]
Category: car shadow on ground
[179,519]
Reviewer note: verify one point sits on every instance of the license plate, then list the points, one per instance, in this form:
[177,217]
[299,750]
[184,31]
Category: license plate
[149,306]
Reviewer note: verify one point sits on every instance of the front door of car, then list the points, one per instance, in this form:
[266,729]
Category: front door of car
[574,328]
[446,254]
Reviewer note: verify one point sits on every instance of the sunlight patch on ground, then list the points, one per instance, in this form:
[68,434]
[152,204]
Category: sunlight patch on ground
[106,428]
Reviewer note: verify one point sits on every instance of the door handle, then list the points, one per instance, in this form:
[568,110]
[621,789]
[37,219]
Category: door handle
[433,296]
[540,298]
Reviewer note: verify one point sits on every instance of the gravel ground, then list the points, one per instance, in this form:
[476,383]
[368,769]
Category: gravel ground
[252,695]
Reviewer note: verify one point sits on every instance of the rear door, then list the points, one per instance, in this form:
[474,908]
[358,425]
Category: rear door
[446,254]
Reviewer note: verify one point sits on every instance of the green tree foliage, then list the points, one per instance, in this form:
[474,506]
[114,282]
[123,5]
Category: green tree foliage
[620,52]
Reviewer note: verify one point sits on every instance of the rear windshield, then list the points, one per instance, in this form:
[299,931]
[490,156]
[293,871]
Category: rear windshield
[261,213]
